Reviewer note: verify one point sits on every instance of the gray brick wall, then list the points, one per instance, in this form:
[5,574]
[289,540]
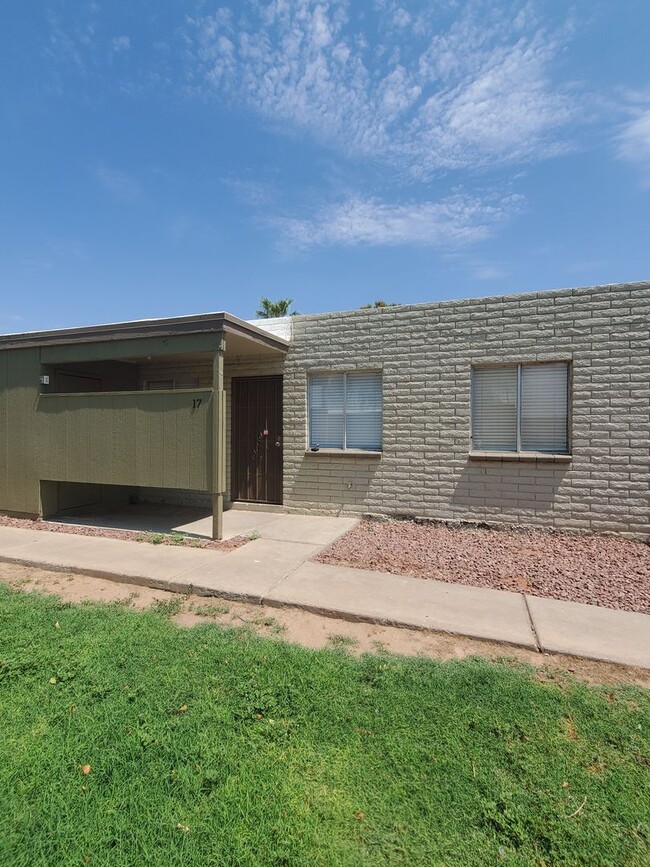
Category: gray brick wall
[426,352]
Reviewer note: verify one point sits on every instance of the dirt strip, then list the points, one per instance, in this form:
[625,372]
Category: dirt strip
[312,630]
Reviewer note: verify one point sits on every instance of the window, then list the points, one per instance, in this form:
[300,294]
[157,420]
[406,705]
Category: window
[169,384]
[345,411]
[521,408]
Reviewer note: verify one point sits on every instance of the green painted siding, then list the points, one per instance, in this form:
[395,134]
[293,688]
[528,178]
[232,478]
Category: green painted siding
[119,349]
[19,374]
[129,438]
[156,439]
[4,445]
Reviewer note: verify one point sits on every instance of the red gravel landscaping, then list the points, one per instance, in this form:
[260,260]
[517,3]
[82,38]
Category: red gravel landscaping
[177,539]
[598,570]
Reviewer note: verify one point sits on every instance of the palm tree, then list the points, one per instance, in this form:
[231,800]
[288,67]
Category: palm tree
[273,309]
[379,304]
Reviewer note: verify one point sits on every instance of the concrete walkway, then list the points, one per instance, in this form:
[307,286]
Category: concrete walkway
[277,569]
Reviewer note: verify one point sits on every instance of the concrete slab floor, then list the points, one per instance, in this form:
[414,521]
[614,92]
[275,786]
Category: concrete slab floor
[144,518]
[165,518]
[197,522]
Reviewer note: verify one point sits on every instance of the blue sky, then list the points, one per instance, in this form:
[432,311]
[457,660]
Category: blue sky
[170,157]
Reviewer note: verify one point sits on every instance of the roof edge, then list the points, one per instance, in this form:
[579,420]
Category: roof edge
[132,329]
[515,296]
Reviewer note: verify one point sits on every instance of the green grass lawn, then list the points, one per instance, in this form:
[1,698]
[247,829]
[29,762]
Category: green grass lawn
[213,747]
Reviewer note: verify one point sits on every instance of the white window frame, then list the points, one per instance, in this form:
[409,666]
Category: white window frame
[518,403]
[344,374]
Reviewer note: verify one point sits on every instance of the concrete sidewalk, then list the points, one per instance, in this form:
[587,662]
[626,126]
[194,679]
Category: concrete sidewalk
[277,569]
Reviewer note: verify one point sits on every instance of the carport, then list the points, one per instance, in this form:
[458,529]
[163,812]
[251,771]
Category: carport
[96,414]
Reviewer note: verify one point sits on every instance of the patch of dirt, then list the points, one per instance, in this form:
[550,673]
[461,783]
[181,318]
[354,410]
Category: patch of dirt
[78,588]
[315,631]
[176,539]
[597,570]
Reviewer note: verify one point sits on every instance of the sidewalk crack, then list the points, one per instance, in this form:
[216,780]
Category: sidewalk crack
[532,624]
[280,580]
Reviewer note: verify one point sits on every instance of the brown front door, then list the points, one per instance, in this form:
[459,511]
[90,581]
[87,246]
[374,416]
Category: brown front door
[257,439]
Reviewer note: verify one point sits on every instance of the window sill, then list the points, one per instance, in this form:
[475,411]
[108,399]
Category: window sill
[521,456]
[344,453]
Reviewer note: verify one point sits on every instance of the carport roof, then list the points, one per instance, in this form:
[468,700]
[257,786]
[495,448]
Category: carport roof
[176,325]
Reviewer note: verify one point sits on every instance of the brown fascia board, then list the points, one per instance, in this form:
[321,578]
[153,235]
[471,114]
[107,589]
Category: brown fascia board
[195,324]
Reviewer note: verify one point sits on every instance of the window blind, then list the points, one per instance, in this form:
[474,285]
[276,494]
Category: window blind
[544,393]
[494,409]
[345,410]
[521,407]
[363,411]
[326,411]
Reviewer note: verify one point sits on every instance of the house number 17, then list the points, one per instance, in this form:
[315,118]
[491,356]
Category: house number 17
[196,402]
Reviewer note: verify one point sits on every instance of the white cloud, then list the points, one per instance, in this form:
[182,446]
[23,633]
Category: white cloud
[428,95]
[452,222]
[489,271]
[72,42]
[254,193]
[401,18]
[121,186]
[634,143]
[120,44]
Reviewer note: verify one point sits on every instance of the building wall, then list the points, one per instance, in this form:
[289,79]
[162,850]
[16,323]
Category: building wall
[19,384]
[233,366]
[135,438]
[166,368]
[98,439]
[426,353]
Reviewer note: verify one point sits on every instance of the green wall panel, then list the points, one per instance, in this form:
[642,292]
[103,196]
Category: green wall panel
[149,438]
[4,445]
[19,375]
[132,348]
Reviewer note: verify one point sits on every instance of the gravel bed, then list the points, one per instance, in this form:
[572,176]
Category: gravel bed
[127,535]
[598,570]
